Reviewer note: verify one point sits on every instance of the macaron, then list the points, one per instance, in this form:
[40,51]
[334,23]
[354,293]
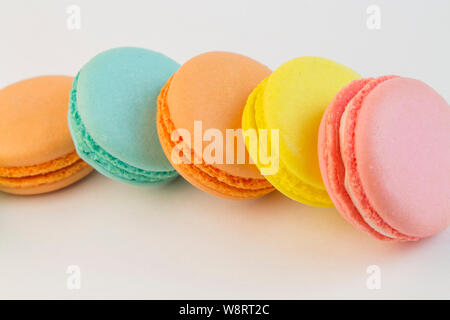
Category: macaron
[112,116]
[292,100]
[37,154]
[199,106]
[384,151]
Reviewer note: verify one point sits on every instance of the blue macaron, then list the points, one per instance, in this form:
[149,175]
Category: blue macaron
[112,114]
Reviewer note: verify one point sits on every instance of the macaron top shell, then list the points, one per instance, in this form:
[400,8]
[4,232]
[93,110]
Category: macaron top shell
[213,88]
[402,149]
[33,122]
[116,101]
[295,97]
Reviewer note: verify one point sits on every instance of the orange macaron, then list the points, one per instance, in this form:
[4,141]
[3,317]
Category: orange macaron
[37,154]
[202,103]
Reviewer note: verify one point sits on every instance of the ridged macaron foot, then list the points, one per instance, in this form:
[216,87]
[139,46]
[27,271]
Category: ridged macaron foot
[292,100]
[384,151]
[37,154]
[210,90]
[112,116]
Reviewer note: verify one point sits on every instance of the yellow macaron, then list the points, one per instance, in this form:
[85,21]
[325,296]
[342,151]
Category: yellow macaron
[292,101]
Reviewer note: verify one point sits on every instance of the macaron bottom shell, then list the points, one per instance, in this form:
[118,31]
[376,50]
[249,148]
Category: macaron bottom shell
[47,183]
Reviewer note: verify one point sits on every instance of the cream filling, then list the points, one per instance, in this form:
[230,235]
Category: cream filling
[364,215]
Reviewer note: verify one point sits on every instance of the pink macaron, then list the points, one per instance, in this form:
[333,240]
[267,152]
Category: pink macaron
[384,152]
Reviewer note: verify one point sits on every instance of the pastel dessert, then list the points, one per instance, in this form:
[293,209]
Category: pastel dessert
[384,151]
[292,100]
[37,154]
[209,91]
[112,115]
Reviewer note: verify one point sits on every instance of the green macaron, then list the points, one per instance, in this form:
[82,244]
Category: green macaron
[112,114]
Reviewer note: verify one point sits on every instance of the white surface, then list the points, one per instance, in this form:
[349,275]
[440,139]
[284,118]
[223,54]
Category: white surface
[173,241]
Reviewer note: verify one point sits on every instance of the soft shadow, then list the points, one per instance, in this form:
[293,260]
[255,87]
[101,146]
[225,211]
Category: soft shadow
[318,232]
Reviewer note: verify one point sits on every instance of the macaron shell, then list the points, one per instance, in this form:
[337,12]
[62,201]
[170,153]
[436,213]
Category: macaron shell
[33,122]
[204,176]
[352,182]
[213,87]
[116,101]
[402,147]
[296,95]
[330,159]
[40,188]
[198,178]
[104,162]
[283,180]
[40,169]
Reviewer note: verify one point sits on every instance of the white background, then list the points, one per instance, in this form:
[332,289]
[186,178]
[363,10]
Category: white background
[173,241]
